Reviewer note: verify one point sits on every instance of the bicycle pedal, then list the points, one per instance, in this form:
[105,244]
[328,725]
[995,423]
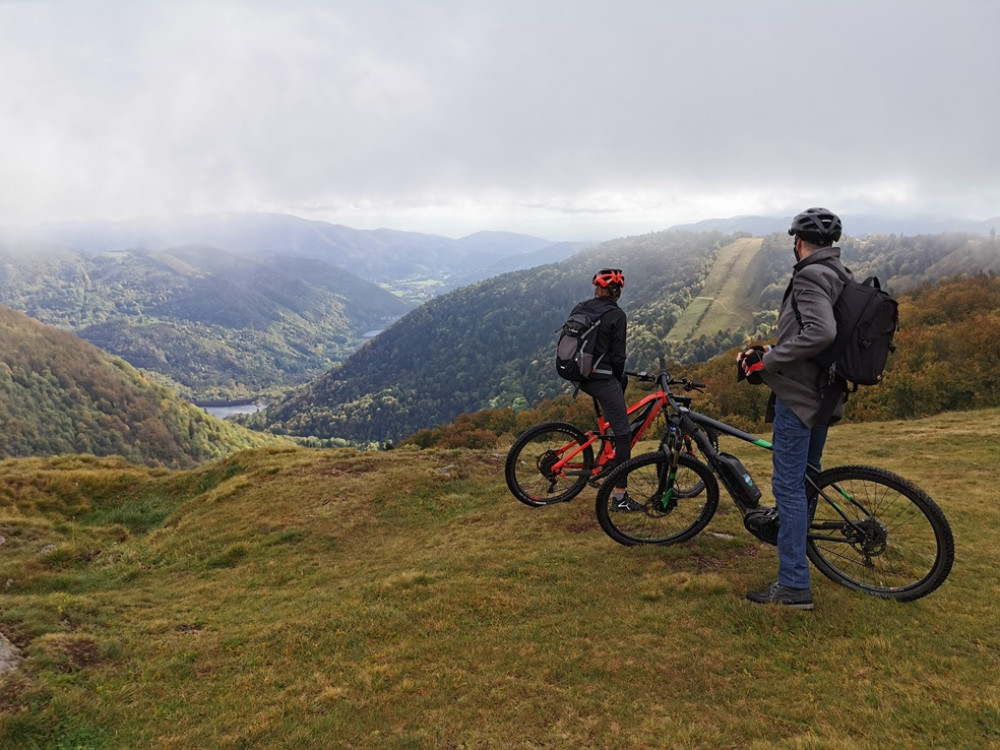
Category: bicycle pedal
[597,479]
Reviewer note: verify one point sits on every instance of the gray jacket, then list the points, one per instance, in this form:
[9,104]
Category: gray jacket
[788,369]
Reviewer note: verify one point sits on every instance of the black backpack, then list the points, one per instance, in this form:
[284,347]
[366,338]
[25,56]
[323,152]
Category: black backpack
[575,360]
[867,320]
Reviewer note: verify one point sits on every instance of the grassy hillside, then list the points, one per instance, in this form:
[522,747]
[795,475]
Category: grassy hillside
[286,598]
[727,302]
[59,394]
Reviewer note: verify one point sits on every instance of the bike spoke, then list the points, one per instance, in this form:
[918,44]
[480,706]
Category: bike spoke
[894,542]
[660,518]
[549,463]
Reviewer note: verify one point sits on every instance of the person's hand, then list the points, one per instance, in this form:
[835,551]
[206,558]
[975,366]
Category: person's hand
[752,361]
[750,364]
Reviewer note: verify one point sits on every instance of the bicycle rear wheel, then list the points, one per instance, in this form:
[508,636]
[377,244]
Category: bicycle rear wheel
[687,511]
[529,468]
[897,543]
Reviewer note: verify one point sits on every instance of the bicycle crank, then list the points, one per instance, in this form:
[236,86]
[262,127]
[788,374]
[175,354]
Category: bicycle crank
[763,523]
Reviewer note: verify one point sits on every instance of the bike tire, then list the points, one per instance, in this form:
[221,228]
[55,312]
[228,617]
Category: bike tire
[526,474]
[905,549]
[690,513]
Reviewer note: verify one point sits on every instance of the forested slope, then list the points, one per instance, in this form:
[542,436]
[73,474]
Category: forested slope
[217,325]
[59,394]
[490,345]
[947,359]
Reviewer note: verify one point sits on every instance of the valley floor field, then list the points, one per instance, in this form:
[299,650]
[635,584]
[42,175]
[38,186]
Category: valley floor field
[288,598]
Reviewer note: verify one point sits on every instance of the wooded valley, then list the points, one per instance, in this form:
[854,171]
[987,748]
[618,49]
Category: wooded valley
[192,320]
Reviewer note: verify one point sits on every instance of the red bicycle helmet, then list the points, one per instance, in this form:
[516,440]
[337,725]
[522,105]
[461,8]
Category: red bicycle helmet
[608,276]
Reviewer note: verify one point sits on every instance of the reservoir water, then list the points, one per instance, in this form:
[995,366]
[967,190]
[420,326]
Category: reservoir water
[227,410]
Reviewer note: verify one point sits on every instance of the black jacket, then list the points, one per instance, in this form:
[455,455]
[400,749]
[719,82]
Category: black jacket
[610,339]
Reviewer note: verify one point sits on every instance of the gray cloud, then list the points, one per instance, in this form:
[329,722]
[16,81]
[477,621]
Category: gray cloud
[565,118]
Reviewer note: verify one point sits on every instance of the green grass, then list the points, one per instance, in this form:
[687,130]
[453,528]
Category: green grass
[722,304]
[289,598]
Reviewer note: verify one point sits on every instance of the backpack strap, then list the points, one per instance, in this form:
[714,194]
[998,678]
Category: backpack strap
[607,308]
[830,386]
[841,272]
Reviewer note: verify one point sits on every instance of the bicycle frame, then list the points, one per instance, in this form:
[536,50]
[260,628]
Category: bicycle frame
[647,409]
[690,424]
[869,529]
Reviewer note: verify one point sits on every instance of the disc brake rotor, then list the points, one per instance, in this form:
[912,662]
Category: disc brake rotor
[871,537]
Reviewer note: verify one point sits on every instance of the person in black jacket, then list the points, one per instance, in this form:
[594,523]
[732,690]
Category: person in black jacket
[607,382]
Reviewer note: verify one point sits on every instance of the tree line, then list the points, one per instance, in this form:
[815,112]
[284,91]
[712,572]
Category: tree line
[490,345]
[947,359]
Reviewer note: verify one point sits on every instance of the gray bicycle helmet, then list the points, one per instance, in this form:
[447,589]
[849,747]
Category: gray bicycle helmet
[818,226]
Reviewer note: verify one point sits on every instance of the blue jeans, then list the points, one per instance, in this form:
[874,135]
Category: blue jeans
[795,447]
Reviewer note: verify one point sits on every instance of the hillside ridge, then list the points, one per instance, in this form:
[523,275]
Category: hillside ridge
[216,324]
[62,395]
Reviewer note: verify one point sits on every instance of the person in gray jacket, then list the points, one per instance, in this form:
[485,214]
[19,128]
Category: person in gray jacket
[798,406]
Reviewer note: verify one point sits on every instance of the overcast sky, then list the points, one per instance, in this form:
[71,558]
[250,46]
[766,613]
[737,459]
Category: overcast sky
[567,119]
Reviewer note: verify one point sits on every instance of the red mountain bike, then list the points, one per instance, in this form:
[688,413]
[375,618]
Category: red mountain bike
[552,462]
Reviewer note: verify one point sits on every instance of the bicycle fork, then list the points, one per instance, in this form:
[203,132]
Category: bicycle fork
[664,499]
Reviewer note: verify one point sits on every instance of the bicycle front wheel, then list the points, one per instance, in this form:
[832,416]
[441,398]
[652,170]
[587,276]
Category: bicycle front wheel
[658,516]
[532,469]
[889,539]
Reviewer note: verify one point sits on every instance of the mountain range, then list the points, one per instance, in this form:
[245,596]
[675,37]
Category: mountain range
[262,303]
[241,306]
[378,256]
[491,344]
[214,324]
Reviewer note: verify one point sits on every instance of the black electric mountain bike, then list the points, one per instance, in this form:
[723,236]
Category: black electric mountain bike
[871,530]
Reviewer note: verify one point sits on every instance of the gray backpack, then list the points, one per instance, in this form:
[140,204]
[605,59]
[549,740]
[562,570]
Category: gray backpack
[575,356]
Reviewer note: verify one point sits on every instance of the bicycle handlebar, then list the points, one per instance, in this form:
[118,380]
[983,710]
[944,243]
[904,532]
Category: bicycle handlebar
[687,385]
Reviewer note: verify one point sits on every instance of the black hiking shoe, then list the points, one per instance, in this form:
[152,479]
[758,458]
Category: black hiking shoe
[625,503]
[783,595]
